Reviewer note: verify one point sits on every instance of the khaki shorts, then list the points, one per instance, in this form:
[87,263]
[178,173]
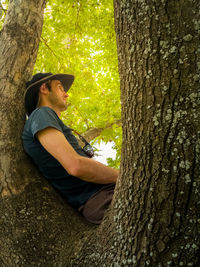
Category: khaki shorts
[93,210]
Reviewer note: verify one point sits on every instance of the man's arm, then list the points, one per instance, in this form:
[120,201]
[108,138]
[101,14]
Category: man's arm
[84,168]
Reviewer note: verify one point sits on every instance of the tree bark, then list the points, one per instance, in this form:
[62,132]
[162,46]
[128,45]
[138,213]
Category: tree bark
[19,40]
[159,196]
[154,217]
[37,227]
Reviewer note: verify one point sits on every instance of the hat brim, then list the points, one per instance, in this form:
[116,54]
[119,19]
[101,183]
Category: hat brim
[65,79]
[32,92]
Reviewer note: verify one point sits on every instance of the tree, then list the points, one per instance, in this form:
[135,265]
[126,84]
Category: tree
[154,217]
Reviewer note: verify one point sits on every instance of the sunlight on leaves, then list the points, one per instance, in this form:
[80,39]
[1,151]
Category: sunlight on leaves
[79,38]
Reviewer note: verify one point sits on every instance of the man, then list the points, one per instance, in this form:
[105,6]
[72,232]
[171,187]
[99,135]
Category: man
[85,183]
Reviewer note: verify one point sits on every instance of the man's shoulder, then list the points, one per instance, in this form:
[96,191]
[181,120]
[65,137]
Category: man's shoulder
[43,115]
[43,111]
[42,118]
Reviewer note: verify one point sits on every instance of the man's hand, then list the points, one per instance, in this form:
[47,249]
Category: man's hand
[84,168]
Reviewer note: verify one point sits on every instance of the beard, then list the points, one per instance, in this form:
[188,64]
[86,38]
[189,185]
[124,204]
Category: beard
[58,102]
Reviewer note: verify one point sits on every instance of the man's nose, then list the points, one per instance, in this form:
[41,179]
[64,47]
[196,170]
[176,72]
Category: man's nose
[66,94]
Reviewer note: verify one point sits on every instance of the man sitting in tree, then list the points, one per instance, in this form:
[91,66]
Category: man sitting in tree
[86,184]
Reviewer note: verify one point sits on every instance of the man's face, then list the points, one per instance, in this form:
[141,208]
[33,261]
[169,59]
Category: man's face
[57,96]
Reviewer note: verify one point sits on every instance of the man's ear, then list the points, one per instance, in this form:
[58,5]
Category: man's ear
[43,89]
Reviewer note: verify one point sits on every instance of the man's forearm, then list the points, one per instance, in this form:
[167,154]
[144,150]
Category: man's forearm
[76,165]
[94,171]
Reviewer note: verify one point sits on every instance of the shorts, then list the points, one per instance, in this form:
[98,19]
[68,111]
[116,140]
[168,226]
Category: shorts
[93,210]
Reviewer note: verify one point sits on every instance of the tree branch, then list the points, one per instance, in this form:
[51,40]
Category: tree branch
[57,57]
[45,42]
[95,132]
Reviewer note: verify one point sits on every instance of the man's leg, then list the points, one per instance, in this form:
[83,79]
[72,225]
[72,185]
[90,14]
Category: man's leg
[93,210]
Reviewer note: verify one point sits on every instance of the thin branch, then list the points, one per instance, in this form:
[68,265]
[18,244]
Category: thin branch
[77,27]
[84,119]
[1,7]
[45,42]
[57,57]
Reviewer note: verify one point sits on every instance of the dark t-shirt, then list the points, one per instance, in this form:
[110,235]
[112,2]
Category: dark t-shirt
[73,189]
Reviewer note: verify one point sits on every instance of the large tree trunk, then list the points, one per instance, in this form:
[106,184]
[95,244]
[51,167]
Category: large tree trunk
[159,55]
[37,228]
[154,217]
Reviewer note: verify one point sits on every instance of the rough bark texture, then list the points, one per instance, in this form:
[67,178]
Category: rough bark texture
[159,55]
[19,41]
[154,218]
[37,228]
